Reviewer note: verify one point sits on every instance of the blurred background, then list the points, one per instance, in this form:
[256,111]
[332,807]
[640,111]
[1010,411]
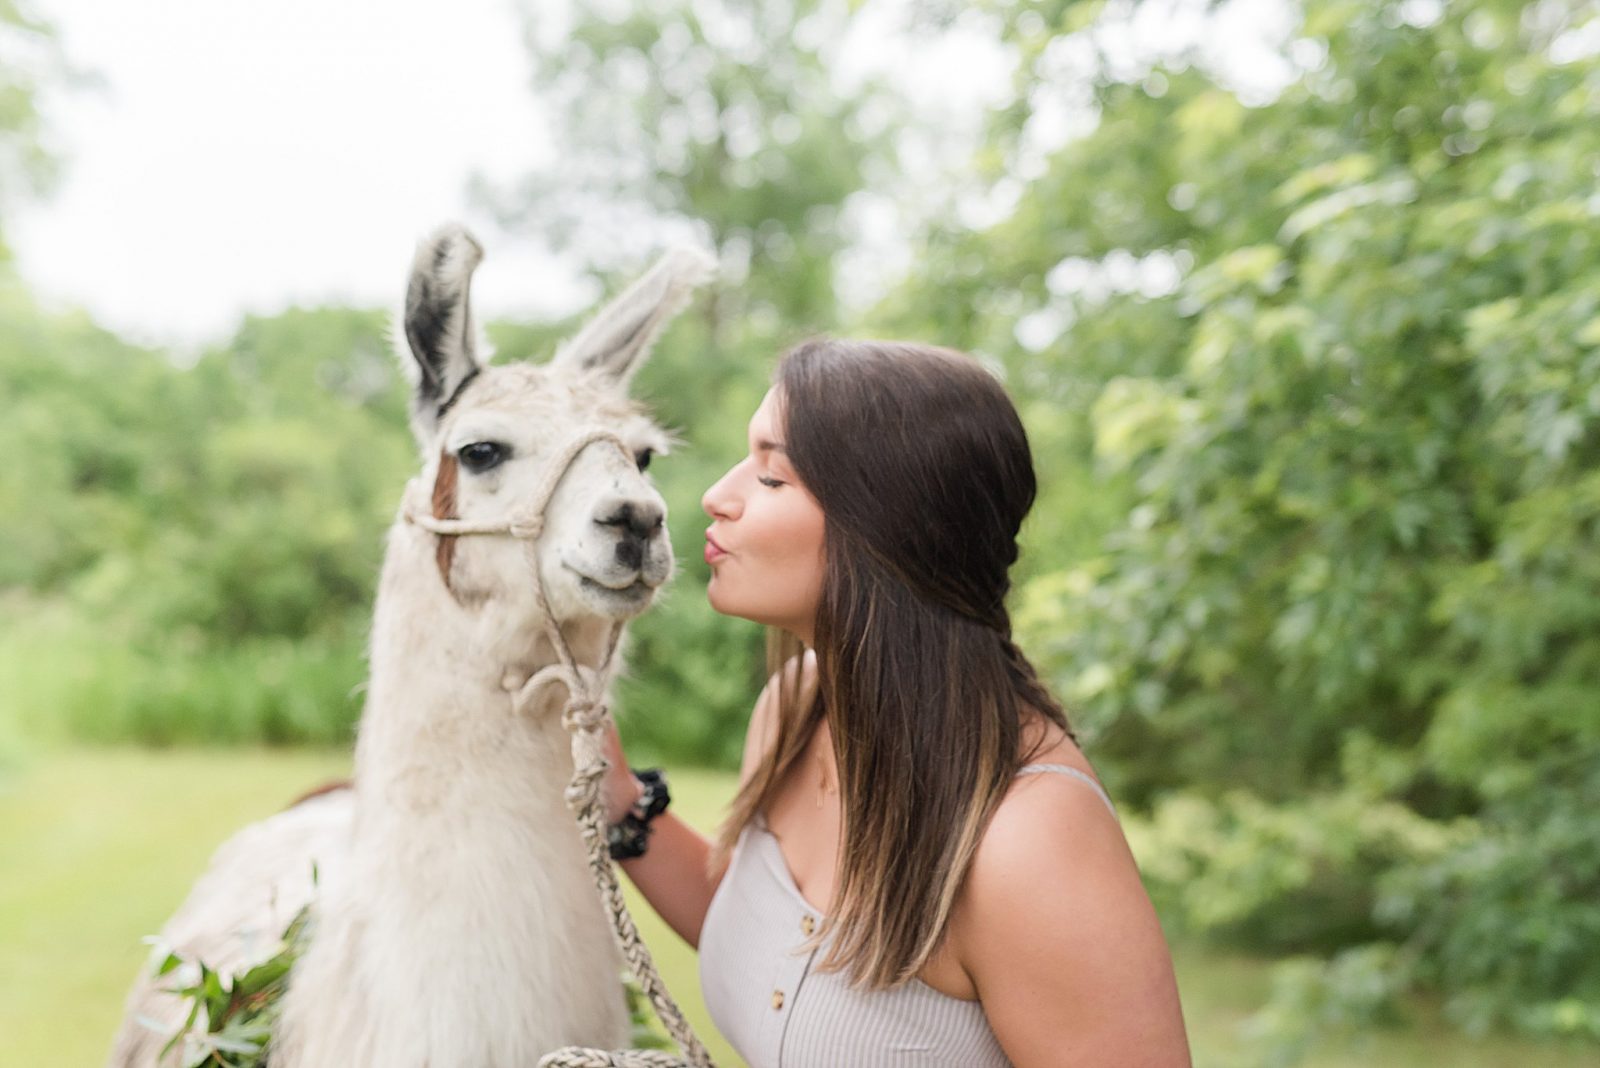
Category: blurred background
[1300,302]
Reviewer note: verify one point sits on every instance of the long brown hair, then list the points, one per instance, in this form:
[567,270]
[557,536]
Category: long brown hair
[924,475]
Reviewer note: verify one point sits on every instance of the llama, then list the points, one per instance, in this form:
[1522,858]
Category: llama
[455,921]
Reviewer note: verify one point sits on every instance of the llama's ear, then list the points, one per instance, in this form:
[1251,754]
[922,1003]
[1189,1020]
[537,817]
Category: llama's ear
[616,341]
[438,324]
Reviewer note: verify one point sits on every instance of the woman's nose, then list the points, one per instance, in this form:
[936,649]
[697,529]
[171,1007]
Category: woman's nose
[719,502]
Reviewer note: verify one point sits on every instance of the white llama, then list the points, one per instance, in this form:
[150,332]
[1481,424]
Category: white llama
[456,924]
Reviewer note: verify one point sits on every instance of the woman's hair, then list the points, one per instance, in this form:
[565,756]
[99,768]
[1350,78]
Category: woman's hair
[924,475]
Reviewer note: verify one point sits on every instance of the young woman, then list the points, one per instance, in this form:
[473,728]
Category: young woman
[920,867]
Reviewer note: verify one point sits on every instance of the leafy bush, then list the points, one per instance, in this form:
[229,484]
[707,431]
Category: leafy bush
[192,552]
[1344,642]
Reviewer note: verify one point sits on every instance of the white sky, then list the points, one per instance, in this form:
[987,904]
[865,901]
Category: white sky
[244,156]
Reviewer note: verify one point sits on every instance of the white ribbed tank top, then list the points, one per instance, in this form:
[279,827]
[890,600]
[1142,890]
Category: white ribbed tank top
[778,1013]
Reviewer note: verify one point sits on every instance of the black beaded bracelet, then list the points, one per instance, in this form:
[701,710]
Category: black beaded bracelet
[629,836]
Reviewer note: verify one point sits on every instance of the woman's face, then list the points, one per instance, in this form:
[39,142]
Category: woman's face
[765,540]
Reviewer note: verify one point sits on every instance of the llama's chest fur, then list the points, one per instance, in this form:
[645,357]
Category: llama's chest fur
[465,929]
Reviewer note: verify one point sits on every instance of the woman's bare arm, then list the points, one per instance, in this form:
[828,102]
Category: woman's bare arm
[672,873]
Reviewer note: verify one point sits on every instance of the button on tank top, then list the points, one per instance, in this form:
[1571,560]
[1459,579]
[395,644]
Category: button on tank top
[779,1012]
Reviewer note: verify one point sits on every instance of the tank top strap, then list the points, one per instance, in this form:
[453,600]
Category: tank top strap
[1065,769]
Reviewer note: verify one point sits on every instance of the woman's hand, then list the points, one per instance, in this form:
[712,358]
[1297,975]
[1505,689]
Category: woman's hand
[619,789]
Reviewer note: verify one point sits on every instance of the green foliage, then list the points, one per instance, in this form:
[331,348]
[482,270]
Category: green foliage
[692,678]
[1508,919]
[192,552]
[1299,876]
[1313,383]
[231,1017]
[33,65]
[726,123]
[723,118]
[1343,638]
[645,1030]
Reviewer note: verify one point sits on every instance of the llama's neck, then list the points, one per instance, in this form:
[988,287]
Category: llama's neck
[463,927]
[441,726]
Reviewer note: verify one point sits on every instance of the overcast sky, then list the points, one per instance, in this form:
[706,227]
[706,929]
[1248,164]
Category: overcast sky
[242,156]
[247,155]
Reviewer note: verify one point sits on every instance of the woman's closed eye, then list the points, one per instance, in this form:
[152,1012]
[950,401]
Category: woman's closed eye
[766,481]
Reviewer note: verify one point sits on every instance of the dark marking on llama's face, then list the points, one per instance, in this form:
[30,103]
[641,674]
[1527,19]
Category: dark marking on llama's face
[444,507]
[455,394]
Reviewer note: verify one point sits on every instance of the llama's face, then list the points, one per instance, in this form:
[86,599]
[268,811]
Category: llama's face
[604,549]
[490,437]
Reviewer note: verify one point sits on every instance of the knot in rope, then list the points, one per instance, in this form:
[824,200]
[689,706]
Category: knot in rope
[581,790]
[584,714]
[526,527]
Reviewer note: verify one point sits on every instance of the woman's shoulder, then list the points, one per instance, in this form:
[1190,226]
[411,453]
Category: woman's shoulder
[1053,914]
[1054,771]
[1051,817]
[1055,808]
[1052,849]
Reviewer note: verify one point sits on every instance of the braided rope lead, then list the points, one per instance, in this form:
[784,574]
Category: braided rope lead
[584,716]
[578,1057]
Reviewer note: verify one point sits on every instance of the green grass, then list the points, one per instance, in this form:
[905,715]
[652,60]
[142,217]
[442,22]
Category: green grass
[1221,990]
[97,847]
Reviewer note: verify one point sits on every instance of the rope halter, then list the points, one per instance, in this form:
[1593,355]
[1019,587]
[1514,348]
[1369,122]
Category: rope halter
[526,523]
[585,717]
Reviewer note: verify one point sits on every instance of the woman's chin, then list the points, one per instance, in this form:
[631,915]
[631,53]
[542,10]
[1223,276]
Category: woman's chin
[729,606]
[718,601]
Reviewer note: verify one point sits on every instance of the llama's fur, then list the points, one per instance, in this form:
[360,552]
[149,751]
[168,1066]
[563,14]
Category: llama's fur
[455,921]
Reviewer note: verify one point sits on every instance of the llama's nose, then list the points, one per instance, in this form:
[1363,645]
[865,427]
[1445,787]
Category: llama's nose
[635,522]
[636,519]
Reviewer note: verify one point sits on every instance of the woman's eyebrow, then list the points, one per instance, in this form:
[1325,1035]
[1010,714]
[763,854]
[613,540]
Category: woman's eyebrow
[770,446]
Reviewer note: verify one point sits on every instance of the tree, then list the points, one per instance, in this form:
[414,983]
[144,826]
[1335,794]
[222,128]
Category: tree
[727,124]
[1338,353]
[30,61]
[191,553]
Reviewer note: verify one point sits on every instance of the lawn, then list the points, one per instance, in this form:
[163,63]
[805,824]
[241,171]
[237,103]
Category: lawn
[97,847]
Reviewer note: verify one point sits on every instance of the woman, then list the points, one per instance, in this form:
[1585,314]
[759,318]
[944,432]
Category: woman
[919,867]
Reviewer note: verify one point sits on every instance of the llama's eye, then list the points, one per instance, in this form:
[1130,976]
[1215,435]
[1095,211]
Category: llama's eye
[479,456]
[642,458]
